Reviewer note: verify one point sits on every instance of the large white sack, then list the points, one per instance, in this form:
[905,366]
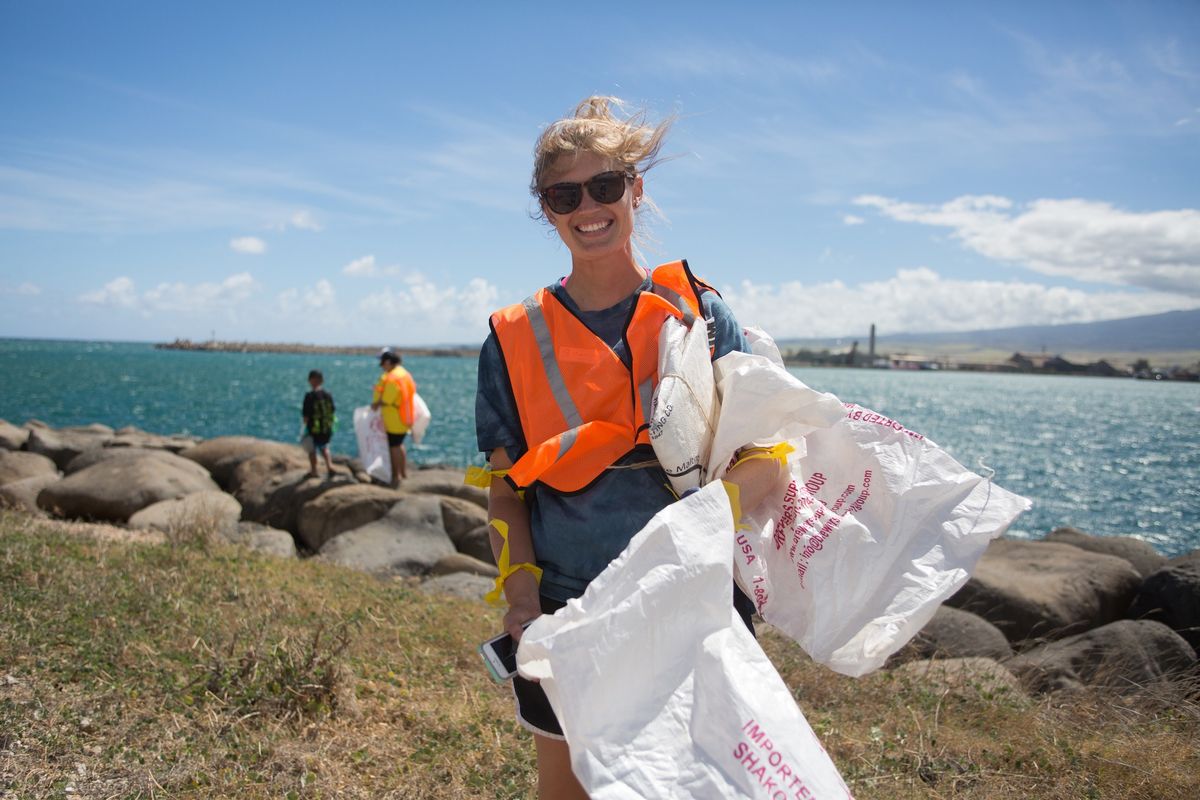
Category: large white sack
[372,443]
[868,531]
[660,689]
[421,418]
[685,405]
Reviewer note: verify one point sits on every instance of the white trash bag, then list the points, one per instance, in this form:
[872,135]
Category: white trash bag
[660,689]
[372,443]
[685,404]
[421,418]
[870,529]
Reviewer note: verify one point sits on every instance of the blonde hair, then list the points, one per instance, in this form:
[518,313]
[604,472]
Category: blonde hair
[600,125]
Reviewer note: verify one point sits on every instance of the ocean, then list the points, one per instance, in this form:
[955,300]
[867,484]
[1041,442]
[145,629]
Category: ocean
[1109,456]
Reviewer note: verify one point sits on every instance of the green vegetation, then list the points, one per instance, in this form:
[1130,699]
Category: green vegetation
[190,669]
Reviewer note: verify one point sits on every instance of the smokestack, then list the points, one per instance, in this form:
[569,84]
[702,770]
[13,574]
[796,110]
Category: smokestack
[872,347]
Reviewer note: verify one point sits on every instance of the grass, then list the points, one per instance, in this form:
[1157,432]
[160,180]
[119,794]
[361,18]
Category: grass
[190,669]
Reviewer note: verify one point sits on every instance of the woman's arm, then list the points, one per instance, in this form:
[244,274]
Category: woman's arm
[521,588]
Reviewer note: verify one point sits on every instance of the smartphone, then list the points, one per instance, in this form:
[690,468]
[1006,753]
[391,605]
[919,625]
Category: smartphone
[500,655]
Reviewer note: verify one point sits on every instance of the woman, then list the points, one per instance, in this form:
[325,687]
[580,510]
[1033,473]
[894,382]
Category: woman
[564,386]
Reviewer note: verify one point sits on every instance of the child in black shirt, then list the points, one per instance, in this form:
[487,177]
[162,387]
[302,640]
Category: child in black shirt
[318,422]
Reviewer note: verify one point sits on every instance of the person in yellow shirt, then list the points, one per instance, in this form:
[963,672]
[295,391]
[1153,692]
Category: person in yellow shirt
[394,395]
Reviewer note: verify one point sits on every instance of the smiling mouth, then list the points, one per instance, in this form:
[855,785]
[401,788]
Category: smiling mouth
[594,227]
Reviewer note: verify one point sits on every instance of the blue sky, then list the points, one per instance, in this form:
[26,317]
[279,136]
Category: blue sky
[296,172]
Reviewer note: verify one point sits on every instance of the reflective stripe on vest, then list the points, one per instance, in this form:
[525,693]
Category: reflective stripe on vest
[581,408]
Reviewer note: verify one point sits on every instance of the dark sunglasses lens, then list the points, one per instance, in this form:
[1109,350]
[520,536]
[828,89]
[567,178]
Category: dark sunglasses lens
[563,198]
[607,187]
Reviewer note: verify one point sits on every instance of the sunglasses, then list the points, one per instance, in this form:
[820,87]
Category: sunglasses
[606,188]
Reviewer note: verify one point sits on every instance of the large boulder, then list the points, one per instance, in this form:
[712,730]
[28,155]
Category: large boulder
[22,495]
[16,465]
[263,467]
[12,437]
[64,444]
[100,455]
[116,489]
[263,539]
[408,540]
[476,543]
[1123,656]
[344,508]
[460,562]
[457,584]
[134,437]
[276,498]
[1040,589]
[440,480]
[222,455]
[462,520]
[209,512]
[954,633]
[963,677]
[1142,555]
[1171,595]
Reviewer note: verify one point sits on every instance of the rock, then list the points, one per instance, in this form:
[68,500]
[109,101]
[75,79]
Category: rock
[954,633]
[341,509]
[264,466]
[63,445]
[16,465]
[449,482]
[264,539]
[12,437]
[408,540]
[458,562]
[103,454]
[457,584]
[476,543]
[22,495]
[118,488]
[276,499]
[209,511]
[963,677]
[222,455]
[133,437]
[1124,656]
[1142,555]
[1042,589]
[1171,595]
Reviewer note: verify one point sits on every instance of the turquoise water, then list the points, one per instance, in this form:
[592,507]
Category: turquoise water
[1106,455]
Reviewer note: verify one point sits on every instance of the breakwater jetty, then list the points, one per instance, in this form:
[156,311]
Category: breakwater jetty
[219,346]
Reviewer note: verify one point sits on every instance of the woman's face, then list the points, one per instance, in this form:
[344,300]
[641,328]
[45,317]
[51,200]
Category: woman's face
[593,230]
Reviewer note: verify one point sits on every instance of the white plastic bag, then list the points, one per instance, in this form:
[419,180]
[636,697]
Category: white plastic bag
[372,443]
[685,404]
[872,527]
[421,418]
[660,689]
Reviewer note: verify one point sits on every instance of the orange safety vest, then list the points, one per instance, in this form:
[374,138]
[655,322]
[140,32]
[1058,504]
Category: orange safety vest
[581,408]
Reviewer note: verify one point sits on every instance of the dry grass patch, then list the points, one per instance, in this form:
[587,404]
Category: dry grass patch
[133,670]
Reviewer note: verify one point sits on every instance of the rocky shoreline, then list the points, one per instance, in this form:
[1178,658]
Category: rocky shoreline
[1069,612]
[213,346]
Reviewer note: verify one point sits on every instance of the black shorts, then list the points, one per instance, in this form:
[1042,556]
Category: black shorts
[320,440]
[396,439]
[534,711]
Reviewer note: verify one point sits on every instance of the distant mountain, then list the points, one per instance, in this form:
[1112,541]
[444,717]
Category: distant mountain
[1172,331]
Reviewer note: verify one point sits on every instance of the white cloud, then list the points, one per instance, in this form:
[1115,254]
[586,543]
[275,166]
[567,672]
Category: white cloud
[305,221]
[1087,240]
[117,293]
[920,301]
[25,289]
[175,297]
[431,313]
[851,219]
[320,297]
[366,267]
[250,245]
